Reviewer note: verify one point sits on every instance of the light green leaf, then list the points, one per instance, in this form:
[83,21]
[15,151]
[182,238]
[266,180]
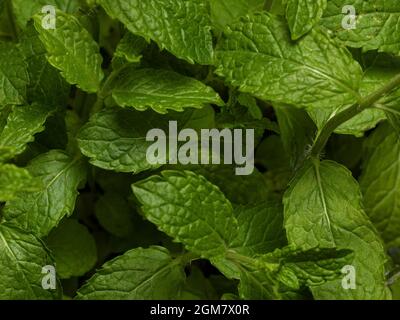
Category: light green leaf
[258,56]
[23,122]
[73,247]
[40,211]
[113,143]
[138,274]
[13,180]
[374,28]
[380,183]
[225,12]
[161,90]
[181,26]
[72,50]
[13,75]
[323,209]
[190,209]
[115,214]
[303,15]
[22,257]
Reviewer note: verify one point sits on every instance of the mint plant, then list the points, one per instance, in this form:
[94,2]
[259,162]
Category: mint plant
[84,213]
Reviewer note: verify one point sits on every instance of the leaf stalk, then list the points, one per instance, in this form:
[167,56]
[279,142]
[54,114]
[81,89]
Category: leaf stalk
[349,113]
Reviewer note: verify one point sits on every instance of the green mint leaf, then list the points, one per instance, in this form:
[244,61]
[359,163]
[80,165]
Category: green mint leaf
[112,143]
[190,209]
[72,50]
[23,122]
[13,75]
[73,248]
[98,103]
[372,28]
[204,220]
[161,90]
[380,183]
[40,211]
[323,209]
[22,259]
[180,26]
[134,275]
[258,56]
[303,15]
[13,180]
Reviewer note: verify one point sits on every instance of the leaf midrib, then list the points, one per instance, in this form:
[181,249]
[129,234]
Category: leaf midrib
[323,198]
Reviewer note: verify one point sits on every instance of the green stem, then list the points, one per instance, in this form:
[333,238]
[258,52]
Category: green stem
[349,113]
[249,262]
[187,258]
[276,7]
[267,4]
[97,106]
[11,18]
[5,35]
